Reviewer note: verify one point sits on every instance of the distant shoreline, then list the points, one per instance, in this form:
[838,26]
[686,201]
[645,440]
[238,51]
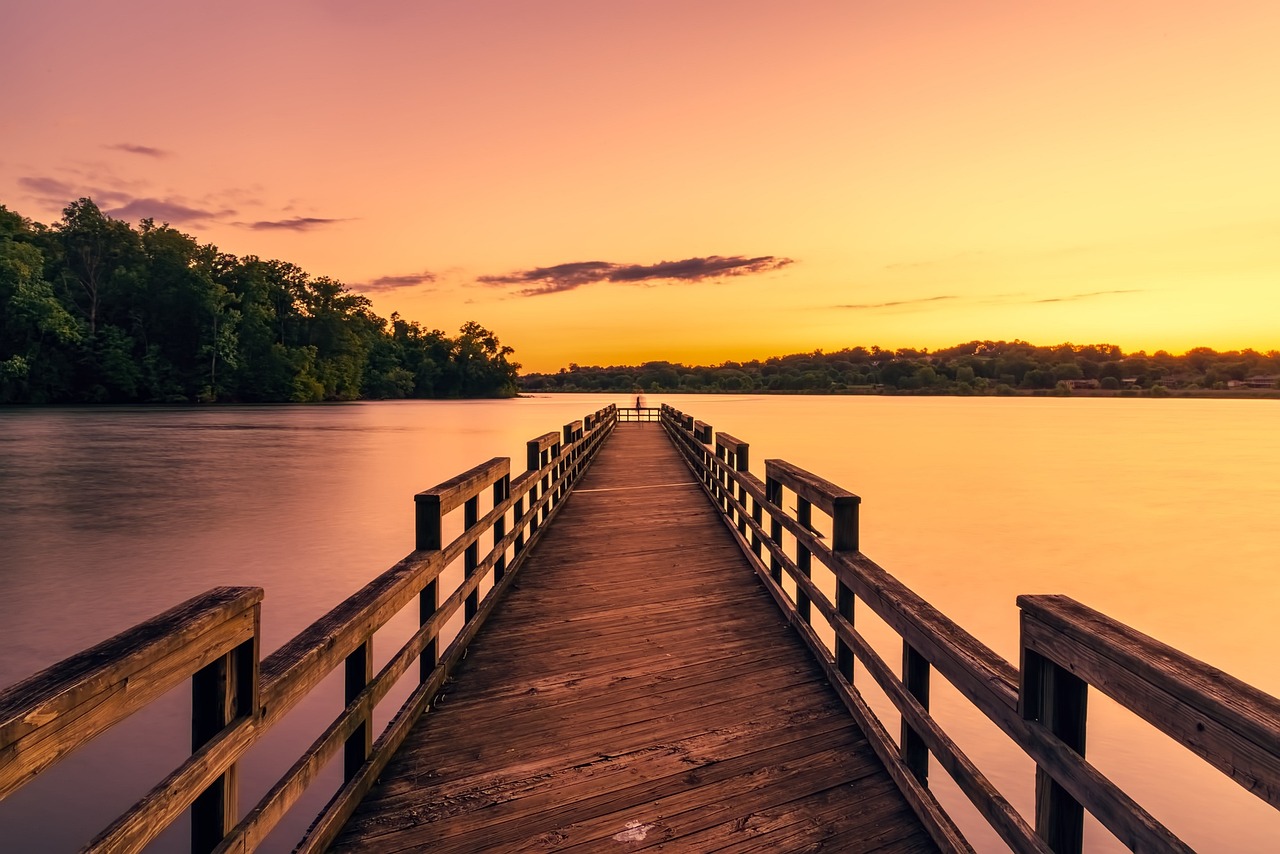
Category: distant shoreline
[1204,393]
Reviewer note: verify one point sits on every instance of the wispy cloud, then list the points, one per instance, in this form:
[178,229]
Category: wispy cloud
[132,200]
[566,277]
[121,205]
[48,187]
[164,210]
[393,283]
[870,306]
[1091,295]
[297,223]
[144,150]
[926,303]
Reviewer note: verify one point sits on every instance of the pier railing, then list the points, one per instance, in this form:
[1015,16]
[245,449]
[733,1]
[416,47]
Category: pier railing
[213,641]
[1066,648]
[640,413]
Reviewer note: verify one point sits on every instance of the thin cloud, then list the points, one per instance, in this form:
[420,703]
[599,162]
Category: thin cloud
[1075,297]
[566,277]
[118,204]
[393,283]
[983,299]
[297,223]
[163,210]
[46,186]
[144,150]
[871,306]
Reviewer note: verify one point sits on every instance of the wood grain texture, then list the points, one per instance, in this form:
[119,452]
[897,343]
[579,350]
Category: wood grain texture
[637,688]
[1229,723]
[54,712]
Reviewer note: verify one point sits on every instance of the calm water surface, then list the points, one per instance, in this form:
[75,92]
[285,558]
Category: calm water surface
[1161,513]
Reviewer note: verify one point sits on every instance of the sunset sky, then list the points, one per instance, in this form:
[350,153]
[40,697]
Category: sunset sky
[611,181]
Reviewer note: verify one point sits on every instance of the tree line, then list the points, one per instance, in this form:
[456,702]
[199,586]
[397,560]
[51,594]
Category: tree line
[976,367]
[93,310]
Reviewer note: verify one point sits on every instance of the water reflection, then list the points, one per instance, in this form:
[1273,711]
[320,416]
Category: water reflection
[1160,513]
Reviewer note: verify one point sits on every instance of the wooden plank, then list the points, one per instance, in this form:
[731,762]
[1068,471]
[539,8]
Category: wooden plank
[546,441]
[821,492]
[144,821]
[50,714]
[621,671]
[451,494]
[735,446]
[1229,723]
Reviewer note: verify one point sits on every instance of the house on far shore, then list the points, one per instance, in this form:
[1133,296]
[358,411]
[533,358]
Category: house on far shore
[1255,382]
[1075,384]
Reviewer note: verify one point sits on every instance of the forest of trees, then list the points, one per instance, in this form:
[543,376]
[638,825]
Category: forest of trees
[978,367]
[93,310]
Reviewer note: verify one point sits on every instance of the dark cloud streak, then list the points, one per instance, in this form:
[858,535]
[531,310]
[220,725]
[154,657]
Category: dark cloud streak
[163,211]
[144,150]
[1075,297]
[297,223]
[982,299]
[869,306]
[576,274]
[393,283]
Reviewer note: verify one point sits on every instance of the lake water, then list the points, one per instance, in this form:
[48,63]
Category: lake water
[1164,514]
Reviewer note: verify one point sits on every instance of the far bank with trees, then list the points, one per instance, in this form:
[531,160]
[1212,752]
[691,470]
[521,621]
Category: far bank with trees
[973,368]
[93,310]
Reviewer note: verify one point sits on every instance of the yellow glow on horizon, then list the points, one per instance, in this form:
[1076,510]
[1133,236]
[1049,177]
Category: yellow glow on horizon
[1095,173]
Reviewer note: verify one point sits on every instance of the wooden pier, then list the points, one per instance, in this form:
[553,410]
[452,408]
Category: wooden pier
[639,685]
[667,660]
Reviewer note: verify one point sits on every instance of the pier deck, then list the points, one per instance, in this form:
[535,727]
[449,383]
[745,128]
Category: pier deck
[637,688]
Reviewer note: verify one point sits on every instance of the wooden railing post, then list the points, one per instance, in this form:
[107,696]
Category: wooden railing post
[915,678]
[501,491]
[517,511]
[221,692]
[773,493]
[1057,699]
[557,454]
[804,558]
[741,463]
[570,469]
[844,538]
[721,476]
[359,745]
[471,557]
[428,529]
[535,457]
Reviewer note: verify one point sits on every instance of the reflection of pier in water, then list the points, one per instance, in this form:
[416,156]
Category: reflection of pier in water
[655,668]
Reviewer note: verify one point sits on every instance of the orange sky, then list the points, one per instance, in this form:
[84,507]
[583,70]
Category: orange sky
[608,182]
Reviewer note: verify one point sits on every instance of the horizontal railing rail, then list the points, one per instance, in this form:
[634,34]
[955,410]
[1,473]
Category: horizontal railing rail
[213,641]
[639,413]
[1066,647]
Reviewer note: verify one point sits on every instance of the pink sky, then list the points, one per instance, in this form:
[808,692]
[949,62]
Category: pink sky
[606,182]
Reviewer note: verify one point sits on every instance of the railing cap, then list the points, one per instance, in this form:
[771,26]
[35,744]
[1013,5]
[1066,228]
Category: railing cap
[546,440]
[458,490]
[816,490]
[1198,687]
[77,673]
[730,443]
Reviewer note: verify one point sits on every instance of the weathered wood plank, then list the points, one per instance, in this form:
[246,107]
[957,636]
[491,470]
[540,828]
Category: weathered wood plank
[1229,723]
[453,492]
[821,492]
[615,662]
[50,714]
